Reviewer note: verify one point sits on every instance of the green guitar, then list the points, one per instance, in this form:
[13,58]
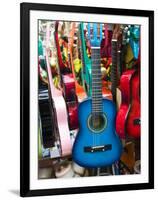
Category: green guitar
[86,63]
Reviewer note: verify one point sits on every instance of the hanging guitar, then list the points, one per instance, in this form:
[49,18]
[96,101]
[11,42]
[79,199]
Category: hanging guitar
[79,88]
[96,144]
[115,69]
[86,62]
[133,119]
[106,42]
[128,116]
[67,85]
[43,77]
[58,106]
[106,60]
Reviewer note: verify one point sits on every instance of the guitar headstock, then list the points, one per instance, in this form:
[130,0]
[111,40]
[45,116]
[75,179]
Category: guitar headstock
[135,39]
[95,34]
[116,32]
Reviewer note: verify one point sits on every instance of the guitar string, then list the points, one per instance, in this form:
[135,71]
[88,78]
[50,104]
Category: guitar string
[96,73]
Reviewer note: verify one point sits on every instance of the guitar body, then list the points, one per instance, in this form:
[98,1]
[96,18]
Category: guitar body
[128,116]
[68,85]
[125,87]
[87,138]
[121,120]
[72,108]
[133,120]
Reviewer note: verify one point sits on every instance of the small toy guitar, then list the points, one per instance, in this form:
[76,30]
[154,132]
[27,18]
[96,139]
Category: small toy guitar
[96,144]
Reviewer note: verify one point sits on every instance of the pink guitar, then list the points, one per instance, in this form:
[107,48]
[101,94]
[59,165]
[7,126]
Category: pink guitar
[59,105]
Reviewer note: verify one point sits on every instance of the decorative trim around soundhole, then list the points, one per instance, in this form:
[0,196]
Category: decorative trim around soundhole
[97,131]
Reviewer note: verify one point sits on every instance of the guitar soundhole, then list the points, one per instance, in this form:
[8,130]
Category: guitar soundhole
[97,122]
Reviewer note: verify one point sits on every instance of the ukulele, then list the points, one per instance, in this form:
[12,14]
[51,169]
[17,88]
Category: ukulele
[58,106]
[96,144]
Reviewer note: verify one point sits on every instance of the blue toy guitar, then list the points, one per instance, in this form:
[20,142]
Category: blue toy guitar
[96,144]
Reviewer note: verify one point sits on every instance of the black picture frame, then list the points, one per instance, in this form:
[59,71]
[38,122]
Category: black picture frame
[25,9]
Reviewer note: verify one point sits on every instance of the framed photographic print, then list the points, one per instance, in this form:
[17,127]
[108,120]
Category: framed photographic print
[87,99]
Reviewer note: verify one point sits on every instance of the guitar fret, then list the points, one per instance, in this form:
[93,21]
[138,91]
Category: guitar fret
[97,93]
[98,90]
[97,108]
[96,101]
[97,104]
[94,74]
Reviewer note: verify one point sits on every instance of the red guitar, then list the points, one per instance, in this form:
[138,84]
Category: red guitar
[122,114]
[133,119]
[68,86]
[67,80]
[128,116]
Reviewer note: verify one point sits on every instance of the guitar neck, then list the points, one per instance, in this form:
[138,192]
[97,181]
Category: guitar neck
[84,56]
[61,64]
[119,63]
[114,69]
[96,82]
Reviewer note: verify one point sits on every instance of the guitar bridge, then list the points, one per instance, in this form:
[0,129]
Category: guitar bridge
[98,148]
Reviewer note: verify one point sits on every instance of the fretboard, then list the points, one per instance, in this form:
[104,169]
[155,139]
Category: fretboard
[97,105]
[114,69]
[82,59]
